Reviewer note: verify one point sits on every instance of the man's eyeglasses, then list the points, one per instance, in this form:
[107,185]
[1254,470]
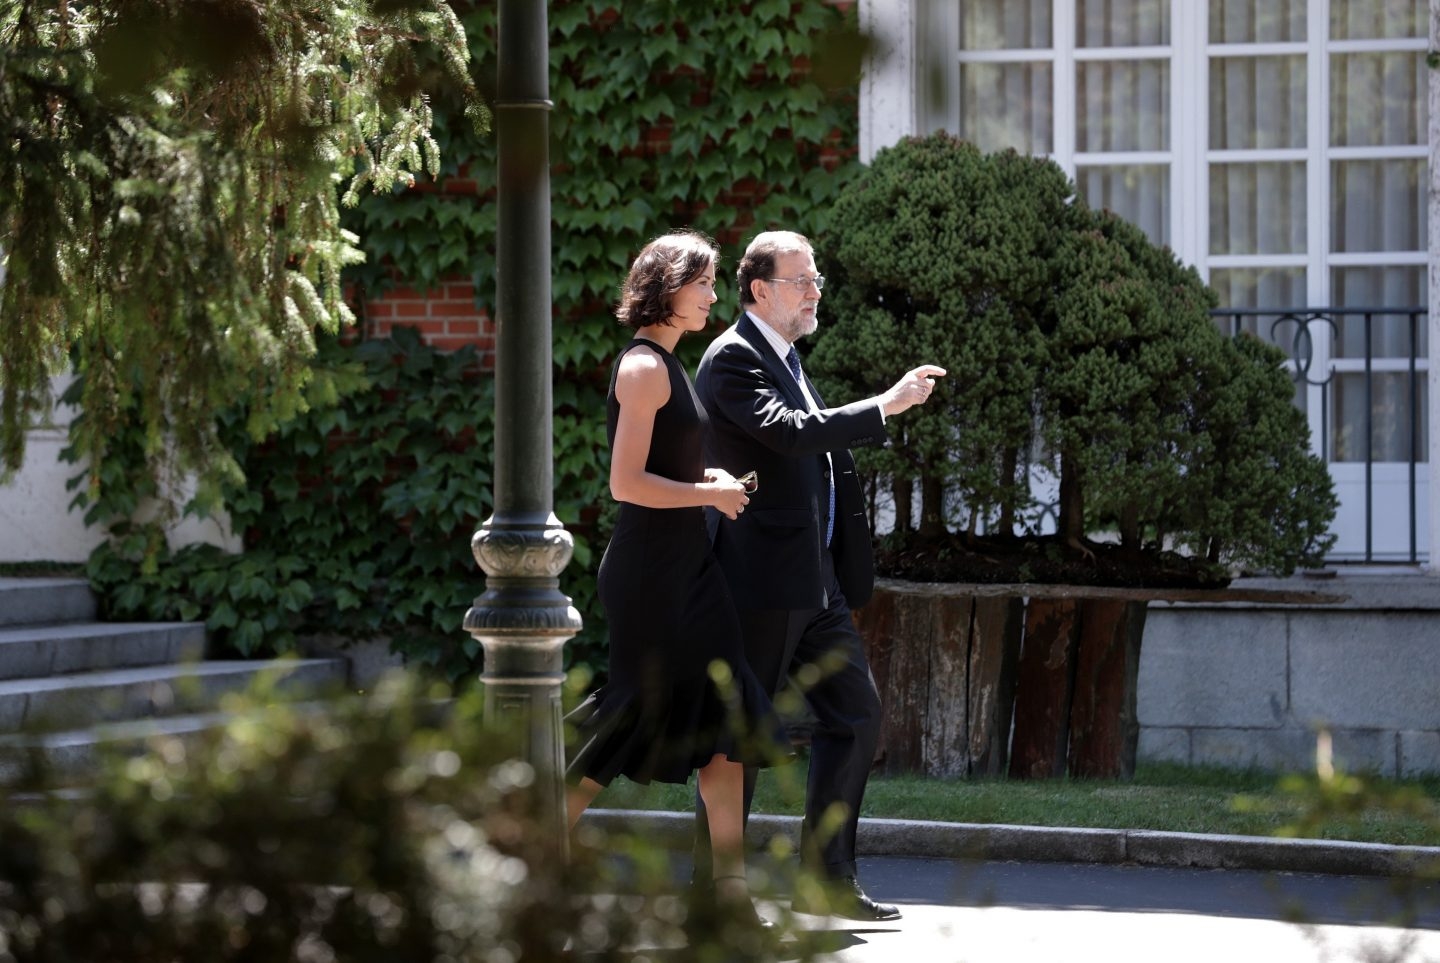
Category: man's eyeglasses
[749,481]
[818,280]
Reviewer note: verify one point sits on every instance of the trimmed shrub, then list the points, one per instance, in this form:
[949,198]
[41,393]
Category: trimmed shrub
[1080,355]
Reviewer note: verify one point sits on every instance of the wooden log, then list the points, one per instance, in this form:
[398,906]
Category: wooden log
[1044,689]
[1104,728]
[897,631]
[955,663]
[1040,590]
[947,725]
[945,669]
[876,624]
[995,640]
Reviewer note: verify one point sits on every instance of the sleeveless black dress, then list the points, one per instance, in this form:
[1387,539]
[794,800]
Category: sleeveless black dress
[679,689]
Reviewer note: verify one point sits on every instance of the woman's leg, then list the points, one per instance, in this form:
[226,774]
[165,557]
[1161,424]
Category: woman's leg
[722,785]
[578,797]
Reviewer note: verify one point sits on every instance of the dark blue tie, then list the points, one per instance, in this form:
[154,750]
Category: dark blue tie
[792,359]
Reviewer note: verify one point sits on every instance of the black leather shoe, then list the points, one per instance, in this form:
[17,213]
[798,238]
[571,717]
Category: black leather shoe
[845,898]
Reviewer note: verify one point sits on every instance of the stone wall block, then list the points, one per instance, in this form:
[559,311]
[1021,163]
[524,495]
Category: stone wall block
[1219,667]
[1349,672]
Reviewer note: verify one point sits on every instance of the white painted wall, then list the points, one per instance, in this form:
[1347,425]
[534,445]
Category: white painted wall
[887,83]
[36,522]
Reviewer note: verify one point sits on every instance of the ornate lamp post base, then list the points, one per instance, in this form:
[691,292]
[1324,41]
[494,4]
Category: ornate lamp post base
[523,621]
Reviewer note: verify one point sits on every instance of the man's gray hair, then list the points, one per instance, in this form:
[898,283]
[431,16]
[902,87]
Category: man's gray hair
[758,264]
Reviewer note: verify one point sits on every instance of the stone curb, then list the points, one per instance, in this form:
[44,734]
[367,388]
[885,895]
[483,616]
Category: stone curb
[917,838]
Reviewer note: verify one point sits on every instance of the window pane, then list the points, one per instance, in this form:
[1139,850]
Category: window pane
[1400,285]
[1140,194]
[1122,23]
[1257,208]
[1397,286]
[1393,434]
[1006,105]
[1378,99]
[1378,205]
[1122,106]
[1005,25]
[1257,102]
[1257,21]
[1264,287]
[1376,19]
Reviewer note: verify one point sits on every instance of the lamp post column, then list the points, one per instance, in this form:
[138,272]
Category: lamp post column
[523,619]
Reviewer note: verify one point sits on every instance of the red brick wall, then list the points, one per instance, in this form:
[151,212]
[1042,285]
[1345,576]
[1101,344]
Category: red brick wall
[447,317]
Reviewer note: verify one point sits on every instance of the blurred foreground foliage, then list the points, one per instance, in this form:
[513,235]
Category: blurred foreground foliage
[394,827]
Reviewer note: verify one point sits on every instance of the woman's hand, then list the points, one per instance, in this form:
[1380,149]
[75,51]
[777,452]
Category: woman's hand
[728,495]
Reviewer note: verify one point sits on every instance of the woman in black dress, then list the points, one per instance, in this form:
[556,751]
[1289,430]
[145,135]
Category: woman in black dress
[679,696]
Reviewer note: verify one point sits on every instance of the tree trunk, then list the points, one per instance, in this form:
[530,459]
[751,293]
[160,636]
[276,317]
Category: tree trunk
[1009,467]
[1130,527]
[932,505]
[1071,520]
[902,491]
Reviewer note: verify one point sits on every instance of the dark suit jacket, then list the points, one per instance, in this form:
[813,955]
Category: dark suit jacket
[759,421]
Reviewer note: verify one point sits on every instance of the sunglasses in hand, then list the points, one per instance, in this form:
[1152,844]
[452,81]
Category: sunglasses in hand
[749,481]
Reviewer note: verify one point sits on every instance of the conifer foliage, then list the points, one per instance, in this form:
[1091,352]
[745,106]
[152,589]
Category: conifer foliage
[1081,357]
[170,179]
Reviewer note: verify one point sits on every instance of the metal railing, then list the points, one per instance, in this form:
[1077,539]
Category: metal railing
[1398,331]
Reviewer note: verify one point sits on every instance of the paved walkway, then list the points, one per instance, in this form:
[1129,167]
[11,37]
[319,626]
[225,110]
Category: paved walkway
[986,894]
[1006,912]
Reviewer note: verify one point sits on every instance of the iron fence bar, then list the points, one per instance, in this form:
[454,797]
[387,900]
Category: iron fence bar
[1369,446]
[1233,319]
[1414,435]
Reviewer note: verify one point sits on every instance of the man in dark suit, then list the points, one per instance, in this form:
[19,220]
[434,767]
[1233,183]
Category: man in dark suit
[800,555]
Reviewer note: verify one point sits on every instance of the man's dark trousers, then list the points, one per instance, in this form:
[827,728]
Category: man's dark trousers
[842,697]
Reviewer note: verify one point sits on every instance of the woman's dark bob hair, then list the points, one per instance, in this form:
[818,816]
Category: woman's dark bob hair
[666,264]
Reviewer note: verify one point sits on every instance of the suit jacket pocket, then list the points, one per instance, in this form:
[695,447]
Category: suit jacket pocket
[781,517]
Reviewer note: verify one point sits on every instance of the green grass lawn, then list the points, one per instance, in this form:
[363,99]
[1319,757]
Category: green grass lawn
[1160,797]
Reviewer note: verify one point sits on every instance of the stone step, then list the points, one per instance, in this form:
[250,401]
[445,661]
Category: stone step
[68,757]
[33,651]
[110,695]
[40,601]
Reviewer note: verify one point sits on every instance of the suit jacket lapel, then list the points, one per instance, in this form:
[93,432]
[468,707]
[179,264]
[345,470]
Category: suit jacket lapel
[771,362]
[814,392]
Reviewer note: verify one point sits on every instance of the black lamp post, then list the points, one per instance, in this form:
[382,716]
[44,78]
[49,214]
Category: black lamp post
[522,620]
